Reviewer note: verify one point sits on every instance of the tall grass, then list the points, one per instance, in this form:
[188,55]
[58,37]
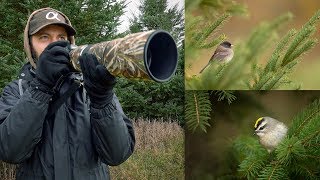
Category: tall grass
[7,171]
[159,154]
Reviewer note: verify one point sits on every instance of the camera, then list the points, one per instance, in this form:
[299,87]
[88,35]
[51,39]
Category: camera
[150,55]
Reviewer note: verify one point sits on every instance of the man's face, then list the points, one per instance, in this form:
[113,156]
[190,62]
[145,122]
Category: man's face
[45,36]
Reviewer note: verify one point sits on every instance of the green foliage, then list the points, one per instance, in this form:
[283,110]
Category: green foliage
[156,14]
[228,95]
[296,157]
[285,57]
[10,64]
[152,100]
[197,110]
[198,107]
[252,155]
[199,35]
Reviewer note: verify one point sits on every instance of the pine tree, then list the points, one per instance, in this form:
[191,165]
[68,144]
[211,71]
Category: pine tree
[156,14]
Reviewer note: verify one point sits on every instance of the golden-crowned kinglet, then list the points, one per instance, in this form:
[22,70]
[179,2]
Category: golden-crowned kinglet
[270,131]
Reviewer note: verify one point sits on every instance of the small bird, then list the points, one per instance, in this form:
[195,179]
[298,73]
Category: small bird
[223,53]
[270,131]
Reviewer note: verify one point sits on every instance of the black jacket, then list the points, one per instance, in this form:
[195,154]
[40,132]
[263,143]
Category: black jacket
[77,142]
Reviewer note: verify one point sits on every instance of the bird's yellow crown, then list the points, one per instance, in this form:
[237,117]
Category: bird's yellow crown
[257,122]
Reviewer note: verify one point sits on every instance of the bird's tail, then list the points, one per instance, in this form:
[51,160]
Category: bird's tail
[205,67]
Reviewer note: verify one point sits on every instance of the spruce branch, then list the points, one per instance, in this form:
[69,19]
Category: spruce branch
[277,69]
[303,118]
[251,166]
[291,151]
[211,28]
[254,156]
[272,62]
[274,172]
[265,33]
[228,95]
[307,30]
[200,37]
[310,137]
[197,110]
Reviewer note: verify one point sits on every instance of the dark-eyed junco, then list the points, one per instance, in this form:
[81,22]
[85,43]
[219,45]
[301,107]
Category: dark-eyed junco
[223,53]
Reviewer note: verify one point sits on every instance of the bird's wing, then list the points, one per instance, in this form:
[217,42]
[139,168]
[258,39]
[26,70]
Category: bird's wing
[219,55]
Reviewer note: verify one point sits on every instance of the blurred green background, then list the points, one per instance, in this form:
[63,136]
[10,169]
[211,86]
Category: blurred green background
[238,28]
[208,155]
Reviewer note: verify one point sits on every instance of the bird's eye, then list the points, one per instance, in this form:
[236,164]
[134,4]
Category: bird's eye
[262,127]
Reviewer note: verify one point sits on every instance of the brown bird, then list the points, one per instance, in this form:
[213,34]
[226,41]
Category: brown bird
[223,54]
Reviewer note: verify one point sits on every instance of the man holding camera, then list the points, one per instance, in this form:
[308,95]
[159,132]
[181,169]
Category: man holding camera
[57,123]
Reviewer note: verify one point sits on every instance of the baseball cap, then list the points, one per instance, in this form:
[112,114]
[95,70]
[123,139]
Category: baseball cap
[49,17]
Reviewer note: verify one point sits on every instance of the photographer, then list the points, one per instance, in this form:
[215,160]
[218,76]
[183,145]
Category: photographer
[57,123]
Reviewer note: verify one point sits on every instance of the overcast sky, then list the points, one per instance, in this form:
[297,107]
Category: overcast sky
[132,7]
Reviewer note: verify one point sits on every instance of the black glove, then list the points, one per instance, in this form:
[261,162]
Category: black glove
[98,81]
[53,63]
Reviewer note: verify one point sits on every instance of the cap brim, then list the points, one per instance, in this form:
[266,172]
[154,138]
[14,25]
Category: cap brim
[70,30]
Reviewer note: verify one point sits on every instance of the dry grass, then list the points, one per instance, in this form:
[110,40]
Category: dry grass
[159,154]
[7,171]
[155,134]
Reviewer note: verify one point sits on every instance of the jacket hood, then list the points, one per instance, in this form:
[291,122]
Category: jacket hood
[27,46]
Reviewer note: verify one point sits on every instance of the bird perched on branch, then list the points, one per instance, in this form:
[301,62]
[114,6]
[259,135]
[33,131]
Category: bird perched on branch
[223,53]
[270,131]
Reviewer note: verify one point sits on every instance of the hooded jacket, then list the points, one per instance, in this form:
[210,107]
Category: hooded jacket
[77,142]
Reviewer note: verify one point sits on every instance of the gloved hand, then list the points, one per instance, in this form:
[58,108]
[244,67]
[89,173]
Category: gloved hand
[98,81]
[53,63]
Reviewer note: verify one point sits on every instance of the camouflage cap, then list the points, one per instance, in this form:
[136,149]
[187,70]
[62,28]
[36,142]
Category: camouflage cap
[49,17]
